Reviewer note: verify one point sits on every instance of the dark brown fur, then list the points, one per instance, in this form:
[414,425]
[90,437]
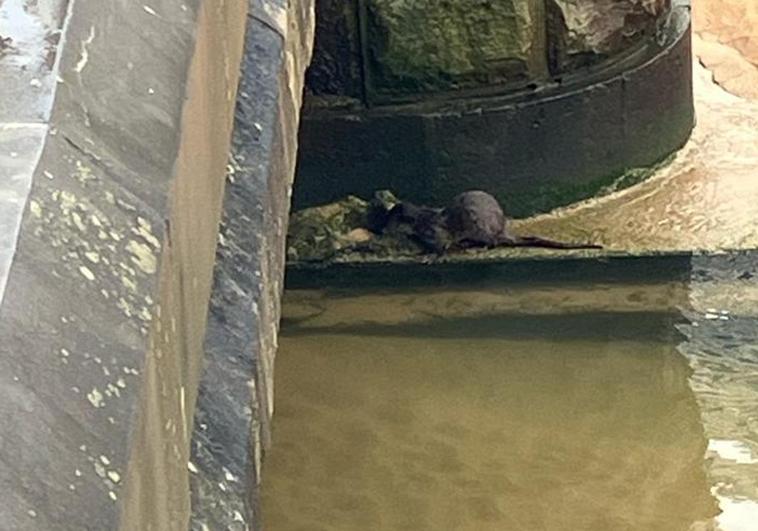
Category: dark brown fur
[473,219]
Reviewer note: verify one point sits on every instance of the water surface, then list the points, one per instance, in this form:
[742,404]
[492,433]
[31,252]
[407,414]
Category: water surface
[581,405]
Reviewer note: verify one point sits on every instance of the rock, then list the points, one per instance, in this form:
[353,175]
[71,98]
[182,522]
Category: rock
[359,235]
[585,32]
[426,45]
[317,233]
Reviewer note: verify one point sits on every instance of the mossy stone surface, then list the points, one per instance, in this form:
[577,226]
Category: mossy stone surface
[428,45]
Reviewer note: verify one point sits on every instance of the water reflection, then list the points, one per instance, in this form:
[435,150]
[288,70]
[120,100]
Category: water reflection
[722,347]
[529,408]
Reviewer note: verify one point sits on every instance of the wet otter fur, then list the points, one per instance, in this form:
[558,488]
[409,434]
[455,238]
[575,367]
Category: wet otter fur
[473,219]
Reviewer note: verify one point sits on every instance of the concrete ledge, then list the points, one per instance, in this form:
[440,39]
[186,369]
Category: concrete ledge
[534,152]
[104,309]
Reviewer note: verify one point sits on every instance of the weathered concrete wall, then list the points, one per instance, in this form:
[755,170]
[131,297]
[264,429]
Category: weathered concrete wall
[232,424]
[104,310]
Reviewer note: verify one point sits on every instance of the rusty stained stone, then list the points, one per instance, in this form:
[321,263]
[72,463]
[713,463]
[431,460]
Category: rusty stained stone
[585,32]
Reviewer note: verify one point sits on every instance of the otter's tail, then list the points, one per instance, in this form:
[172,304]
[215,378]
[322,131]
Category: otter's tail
[536,241]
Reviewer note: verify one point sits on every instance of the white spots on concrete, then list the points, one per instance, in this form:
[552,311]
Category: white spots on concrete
[183,411]
[144,229]
[129,284]
[86,273]
[77,219]
[104,459]
[35,208]
[65,353]
[84,55]
[238,516]
[149,10]
[125,307]
[121,383]
[76,389]
[222,486]
[83,173]
[48,175]
[32,513]
[150,90]
[144,314]
[83,448]
[112,390]
[71,486]
[92,256]
[95,398]
[191,467]
[114,476]
[142,256]
[36,83]
[112,495]
[229,476]
[104,293]
[99,469]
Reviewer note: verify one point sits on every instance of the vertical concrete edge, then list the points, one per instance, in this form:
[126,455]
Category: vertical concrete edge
[235,402]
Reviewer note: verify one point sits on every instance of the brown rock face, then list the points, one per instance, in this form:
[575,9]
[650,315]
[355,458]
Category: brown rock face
[584,32]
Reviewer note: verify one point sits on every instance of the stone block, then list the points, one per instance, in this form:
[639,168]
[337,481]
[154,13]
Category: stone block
[335,73]
[583,33]
[425,46]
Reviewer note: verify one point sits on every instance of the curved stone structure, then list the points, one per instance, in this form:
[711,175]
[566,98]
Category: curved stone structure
[535,133]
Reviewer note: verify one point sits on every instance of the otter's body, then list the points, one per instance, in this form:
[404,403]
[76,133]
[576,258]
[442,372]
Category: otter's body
[473,219]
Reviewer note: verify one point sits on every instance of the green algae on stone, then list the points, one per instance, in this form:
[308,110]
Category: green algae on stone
[551,196]
[426,45]
[347,228]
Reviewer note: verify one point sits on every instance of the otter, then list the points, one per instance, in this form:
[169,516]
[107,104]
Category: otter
[473,219]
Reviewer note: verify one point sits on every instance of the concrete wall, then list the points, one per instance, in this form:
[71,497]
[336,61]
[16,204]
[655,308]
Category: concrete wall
[110,198]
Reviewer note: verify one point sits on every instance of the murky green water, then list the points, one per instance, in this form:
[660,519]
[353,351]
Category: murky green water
[579,406]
